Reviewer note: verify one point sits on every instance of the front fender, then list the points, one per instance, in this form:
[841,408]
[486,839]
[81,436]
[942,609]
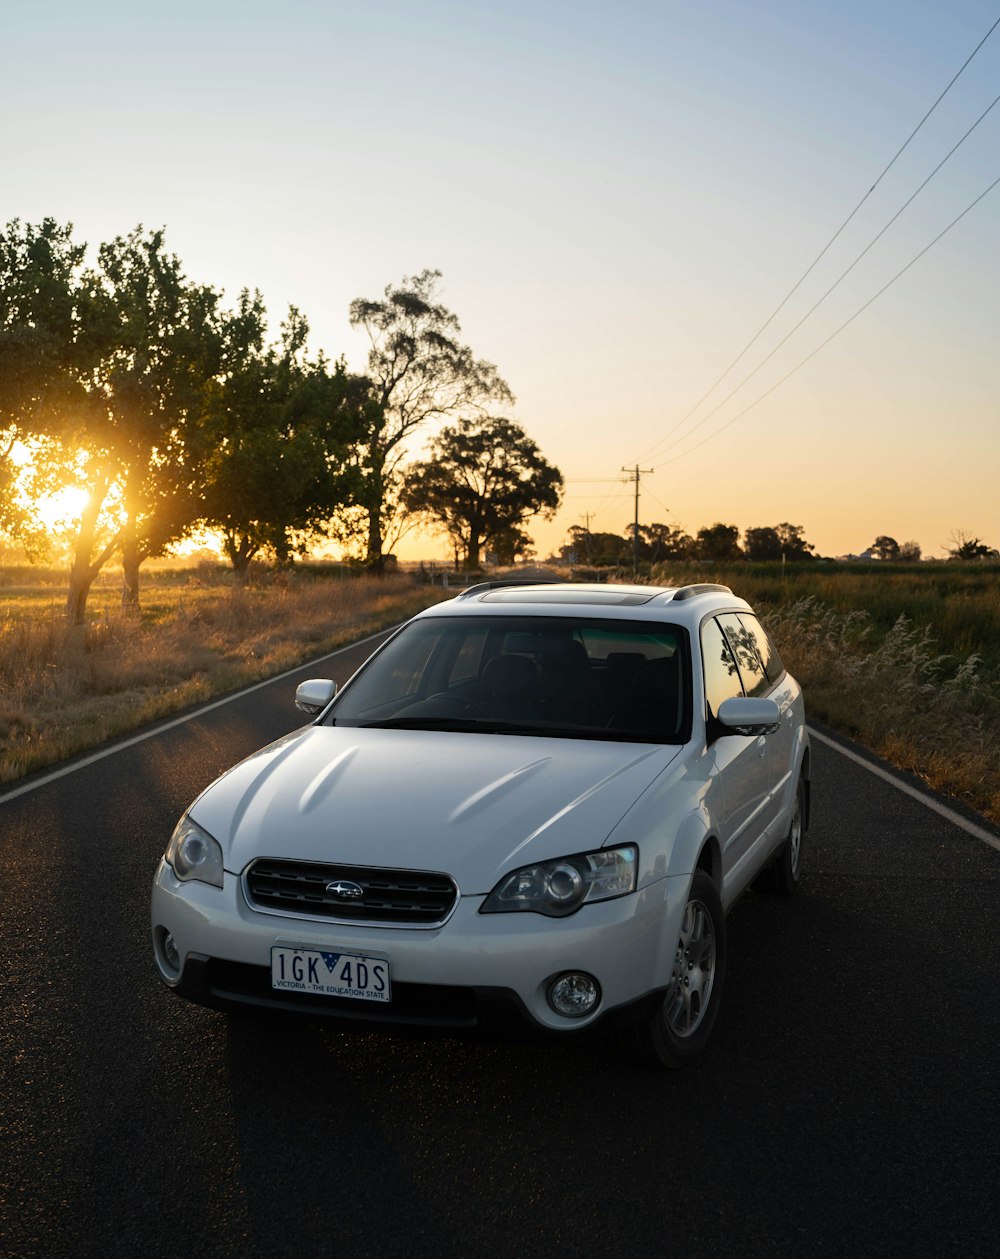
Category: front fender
[672,821]
[693,834]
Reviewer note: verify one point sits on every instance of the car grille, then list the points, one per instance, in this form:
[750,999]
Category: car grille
[407,897]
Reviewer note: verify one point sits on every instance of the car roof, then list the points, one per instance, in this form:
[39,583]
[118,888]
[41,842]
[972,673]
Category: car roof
[685,604]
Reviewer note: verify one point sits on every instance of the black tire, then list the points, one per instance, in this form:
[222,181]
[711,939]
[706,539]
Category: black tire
[683,1022]
[785,871]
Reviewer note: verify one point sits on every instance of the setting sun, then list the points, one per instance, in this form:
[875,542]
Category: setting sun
[62,509]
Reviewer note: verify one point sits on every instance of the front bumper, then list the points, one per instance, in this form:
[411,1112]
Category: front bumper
[422,1010]
[477,971]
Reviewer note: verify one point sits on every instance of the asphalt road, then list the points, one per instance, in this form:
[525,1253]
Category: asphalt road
[848,1103]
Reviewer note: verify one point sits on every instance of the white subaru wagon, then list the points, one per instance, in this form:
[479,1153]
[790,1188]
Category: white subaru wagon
[532,807]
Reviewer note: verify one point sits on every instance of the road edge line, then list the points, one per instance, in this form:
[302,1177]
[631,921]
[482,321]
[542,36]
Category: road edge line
[171,723]
[935,806]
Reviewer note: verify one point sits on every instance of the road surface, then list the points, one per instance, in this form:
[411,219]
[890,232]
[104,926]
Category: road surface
[847,1105]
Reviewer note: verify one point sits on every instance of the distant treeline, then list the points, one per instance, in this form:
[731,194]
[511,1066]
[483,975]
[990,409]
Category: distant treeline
[720,544]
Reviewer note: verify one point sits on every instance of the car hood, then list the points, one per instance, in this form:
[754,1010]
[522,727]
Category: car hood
[470,805]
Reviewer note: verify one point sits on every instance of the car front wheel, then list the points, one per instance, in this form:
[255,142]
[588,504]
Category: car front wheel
[679,1029]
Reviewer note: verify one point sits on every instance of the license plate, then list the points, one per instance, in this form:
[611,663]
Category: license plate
[362,976]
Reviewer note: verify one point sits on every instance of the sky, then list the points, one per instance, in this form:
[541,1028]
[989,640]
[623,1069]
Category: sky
[617,196]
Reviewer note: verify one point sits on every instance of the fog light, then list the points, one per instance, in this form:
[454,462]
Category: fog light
[574,995]
[170,954]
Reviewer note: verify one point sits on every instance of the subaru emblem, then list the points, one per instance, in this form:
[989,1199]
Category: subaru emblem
[345,890]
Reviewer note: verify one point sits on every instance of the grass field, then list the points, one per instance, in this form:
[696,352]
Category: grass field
[905,658]
[66,688]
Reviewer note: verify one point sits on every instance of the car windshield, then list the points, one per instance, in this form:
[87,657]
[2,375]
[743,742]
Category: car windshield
[585,678]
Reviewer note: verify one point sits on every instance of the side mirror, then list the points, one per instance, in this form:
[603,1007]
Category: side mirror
[745,715]
[313,696]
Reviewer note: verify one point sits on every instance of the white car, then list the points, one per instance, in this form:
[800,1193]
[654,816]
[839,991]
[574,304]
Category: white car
[532,806]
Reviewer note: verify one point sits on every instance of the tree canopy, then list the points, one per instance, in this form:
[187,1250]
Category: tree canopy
[884,547]
[39,277]
[482,480]
[718,542]
[276,435]
[130,379]
[784,541]
[419,371]
[156,345]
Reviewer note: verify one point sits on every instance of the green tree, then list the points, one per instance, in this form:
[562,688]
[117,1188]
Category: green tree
[662,542]
[909,552]
[884,548]
[154,340]
[718,543]
[762,543]
[482,480]
[39,349]
[782,541]
[601,549]
[793,543]
[419,371]
[277,438]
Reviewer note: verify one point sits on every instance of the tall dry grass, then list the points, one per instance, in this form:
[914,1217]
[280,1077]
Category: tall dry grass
[925,710]
[64,689]
[903,657]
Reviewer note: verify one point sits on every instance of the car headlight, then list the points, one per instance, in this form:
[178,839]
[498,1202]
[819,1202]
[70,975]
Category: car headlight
[194,854]
[560,887]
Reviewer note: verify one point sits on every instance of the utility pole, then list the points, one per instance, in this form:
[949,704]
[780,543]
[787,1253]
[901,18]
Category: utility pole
[587,517]
[634,475]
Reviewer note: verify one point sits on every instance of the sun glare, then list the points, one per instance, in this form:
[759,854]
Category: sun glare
[63,508]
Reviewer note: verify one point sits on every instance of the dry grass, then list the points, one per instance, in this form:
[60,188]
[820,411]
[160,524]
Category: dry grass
[64,689]
[903,657]
[924,710]
[906,660]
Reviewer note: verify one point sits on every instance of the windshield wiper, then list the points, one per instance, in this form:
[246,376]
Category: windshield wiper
[419,723]
[489,725]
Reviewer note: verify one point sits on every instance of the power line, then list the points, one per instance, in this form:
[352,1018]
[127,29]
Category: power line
[808,271]
[839,330]
[677,520]
[843,275]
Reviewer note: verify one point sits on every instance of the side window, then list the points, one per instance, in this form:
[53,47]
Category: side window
[745,650]
[765,648]
[722,679]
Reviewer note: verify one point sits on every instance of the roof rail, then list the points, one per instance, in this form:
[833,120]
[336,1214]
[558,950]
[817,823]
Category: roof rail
[700,588]
[485,586]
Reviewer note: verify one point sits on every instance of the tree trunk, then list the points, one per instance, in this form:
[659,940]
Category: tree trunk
[84,570]
[240,552]
[375,490]
[80,582]
[131,560]
[375,537]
